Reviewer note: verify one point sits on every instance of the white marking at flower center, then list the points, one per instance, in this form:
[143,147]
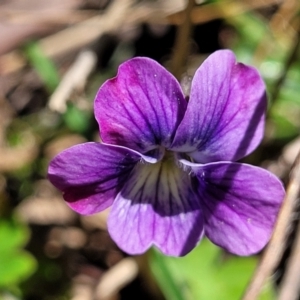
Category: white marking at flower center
[161,181]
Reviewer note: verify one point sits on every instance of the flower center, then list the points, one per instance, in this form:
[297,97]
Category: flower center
[168,158]
[163,181]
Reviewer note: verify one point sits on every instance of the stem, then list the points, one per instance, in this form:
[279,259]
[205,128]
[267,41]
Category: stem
[182,43]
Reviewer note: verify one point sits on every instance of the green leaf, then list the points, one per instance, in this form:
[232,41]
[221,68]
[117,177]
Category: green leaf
[43,65]
[16,266]
[164,277]
[76,119]
[206,273]
[12,235]
[15,263]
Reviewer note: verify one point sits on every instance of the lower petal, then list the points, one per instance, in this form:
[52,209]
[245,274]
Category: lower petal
[90,175]
[240,205]
[157,206]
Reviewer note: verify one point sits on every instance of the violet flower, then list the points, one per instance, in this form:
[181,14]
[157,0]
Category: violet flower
[166,166]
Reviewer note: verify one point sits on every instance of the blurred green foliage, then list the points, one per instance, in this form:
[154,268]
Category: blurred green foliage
[205,273]
[16,264]
[44,66]
[77,120]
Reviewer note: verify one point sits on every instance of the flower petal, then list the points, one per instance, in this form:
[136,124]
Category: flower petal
[224,119]
[141,107]
[157,206]
[240,205]
[90,175]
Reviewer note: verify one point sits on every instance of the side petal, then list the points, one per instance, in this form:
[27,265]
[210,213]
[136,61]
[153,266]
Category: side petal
[157,206]
[141,107]
[240,204]
[90,175]
[224,120]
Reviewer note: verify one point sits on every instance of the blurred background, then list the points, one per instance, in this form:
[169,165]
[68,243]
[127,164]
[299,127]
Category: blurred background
[54,55]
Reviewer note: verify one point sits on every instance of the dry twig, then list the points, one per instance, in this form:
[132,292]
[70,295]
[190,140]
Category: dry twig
[121,13]
[281,22]
[290,285]
[45,18]
[116,278]
[222,10]
[74,79]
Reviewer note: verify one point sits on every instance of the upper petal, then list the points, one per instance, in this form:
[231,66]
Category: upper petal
[224,119]
[141,107]
[240,204]
[157,206]
[90,175]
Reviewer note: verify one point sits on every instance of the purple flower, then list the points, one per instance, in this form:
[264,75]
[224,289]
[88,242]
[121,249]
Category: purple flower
[165,166]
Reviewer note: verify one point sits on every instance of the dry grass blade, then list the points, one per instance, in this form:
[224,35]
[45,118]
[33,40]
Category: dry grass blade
[282,28]
[74,79]
[86,32]
[21,20]
[281,22]
[59,17]
[276,246]
[222,10]
[122,12]
[74,37]
[116,278]
[290,286]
